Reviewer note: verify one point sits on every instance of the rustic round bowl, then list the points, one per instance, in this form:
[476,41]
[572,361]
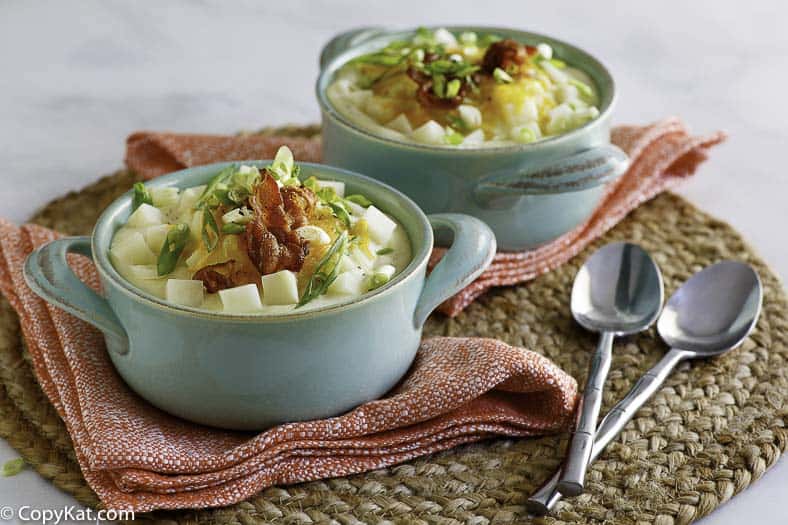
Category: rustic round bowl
[528,194]
[254,371]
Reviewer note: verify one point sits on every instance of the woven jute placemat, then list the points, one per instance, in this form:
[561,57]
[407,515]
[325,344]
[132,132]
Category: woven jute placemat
[714,428]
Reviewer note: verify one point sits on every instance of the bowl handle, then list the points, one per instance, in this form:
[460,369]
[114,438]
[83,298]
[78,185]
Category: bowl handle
[580,171]
[48,274]
[471,252]
[344,41]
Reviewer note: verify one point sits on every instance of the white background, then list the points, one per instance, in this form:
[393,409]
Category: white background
[77,77]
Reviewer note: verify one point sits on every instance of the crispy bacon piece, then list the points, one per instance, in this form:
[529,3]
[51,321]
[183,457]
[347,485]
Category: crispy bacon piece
[507,54]
[271,240]
[221,276]
[428,98]
[299,203]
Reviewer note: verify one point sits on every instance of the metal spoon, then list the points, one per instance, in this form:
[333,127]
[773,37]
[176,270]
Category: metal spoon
[618,291]
[710,314]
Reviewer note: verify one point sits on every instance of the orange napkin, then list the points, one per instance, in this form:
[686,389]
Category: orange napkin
[661,155]
[136,457]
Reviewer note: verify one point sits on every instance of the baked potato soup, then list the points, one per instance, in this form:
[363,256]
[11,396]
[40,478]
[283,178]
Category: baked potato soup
[258,241]
[463,90]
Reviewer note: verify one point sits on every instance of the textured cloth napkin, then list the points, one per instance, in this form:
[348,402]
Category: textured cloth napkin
[661,155]
[459,390]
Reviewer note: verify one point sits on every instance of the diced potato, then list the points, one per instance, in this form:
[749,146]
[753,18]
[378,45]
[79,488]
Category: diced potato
[361,259]
[280,288]
[347,264]
[190,196]
[379,225]
[241,299]
[476,137]
[387,270]
[348,283]
[163,197]
[314,234]
[144,271]
[145,215]
[430,133]
[401,124]
[187,292]
[443,36]
[133,249]
[555,74]
[355,209]
[155,235]
[471,116]
[545,50]
[338,187]
[529,112]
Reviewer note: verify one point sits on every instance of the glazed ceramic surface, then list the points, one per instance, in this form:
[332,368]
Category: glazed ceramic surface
[254,371]
[528,194]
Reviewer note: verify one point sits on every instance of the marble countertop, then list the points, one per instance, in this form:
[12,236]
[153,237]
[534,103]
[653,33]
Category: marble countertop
[79,77]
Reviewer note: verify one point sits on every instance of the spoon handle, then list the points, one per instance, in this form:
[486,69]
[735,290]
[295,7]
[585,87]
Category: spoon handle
[543,500]
[579,454]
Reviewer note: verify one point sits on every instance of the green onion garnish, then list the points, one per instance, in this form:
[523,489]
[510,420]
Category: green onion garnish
[377,280]
[12,467]
[172,248]
[453,138]
[325,272]
[210,231]
[359,199]
[141,196]
[453,88]
[501,76]
[233,228]
[584,89]
[339,210]
[385,251]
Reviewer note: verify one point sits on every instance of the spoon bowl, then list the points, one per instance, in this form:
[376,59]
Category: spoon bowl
[713,311]
[618,290]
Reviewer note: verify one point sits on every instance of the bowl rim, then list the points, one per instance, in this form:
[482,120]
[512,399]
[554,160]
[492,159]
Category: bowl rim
[390,34]
[103,233]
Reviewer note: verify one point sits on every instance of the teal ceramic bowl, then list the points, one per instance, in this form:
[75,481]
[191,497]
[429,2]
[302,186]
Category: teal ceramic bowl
[529,194]
[254,371]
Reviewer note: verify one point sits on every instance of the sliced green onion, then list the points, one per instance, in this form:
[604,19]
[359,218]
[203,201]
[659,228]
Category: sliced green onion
[12,467]
[501,76]
[325,272]
[468,38]
[457,123]
[385,251]
[283,164]
[172,248]
[233,228]
[210,231]
[453,88]
[584,89]
[209,196]
[452,137]
[341,213]
[377,280]
[439,85]
[557,62]
[141,196]
[526,135]
[488,38]
[359,199]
